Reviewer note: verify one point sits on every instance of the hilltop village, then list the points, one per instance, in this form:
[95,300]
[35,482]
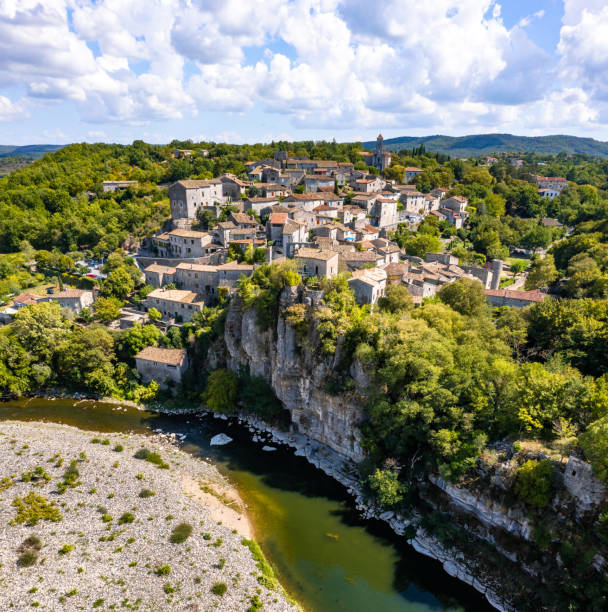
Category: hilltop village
[328,216]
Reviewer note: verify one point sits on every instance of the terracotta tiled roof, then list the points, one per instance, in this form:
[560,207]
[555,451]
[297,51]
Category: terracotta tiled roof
[173,357]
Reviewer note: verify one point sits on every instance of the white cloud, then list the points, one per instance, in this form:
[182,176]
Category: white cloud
[10,111]
[327,64]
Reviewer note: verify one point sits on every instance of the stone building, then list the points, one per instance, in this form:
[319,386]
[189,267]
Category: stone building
[176,304]
[73,299]
[368,285]
[380,158]
[161,365]
[315,262]
[159,276]
[187,197]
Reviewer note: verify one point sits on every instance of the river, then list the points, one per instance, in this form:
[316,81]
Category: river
[325,555]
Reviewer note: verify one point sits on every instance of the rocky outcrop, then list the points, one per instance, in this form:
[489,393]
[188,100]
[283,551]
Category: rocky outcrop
[298,375]
[587,490]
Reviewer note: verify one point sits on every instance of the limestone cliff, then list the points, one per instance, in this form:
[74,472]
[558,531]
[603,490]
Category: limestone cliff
[298,375]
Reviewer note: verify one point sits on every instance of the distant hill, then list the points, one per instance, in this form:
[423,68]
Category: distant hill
[485,144]
[31,151]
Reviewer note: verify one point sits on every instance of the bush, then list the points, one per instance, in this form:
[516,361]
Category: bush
[534,483]
[33,508]
[180,533]
[127,517]
[27,559]
[387,488]
[118,448]
[594,443]
[221,391]
[163,570]
[66,548]
[151,457]
[219,588]
[144,493]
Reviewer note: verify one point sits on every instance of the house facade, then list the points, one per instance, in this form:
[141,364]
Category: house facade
[161,365]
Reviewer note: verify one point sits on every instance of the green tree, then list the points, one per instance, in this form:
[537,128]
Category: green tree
[221,391]
[107,309]
[154,314]
[534,483]
[40,328]
[420,244]
[119,284]
[542,272]
[518,266]
[594,443]
[465,296]
[397,299]
[140,336]
[387,488]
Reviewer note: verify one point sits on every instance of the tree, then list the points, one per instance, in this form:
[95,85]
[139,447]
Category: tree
[542,272]
[537,237]
[534,483]
[107,309]
[465,296]
[594,443]
[40,328]
[140,336]
[397,299]
[154,314]
[518,266]
[118,284]
[221,391]
[387,488]
[420,244]
[495,205]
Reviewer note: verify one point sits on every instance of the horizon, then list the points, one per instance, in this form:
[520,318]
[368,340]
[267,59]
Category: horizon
[386,139]
[299,70]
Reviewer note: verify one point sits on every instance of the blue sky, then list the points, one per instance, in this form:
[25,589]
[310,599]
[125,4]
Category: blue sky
[235,71]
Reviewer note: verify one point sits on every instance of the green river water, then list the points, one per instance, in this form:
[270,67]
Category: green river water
[325,555]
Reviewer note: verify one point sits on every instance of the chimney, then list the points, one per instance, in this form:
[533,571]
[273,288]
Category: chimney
[496,272]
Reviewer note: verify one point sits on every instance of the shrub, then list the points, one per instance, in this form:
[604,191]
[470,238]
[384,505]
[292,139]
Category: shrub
[37,475]
[180,533]
[27,559]
[126,517]
[70,477]
[33,542]
[66,548]
[219,588]
[261,563]
[163,570]
[534,483]
[151,457]
[167,588]
[119,448]
[33,508]
[221,392]
[146,493]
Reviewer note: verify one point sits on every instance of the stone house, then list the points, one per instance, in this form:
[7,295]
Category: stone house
[189,243]
[411,173]
[112,186]
[316,183]
[314,262]
[74,299]
[365,200]
[368,232]
[159,276]
[261,206]
[223,232]
[187,197]
[274,190]
[25,299]
[243,220]
[233,187]
[368,185]
[556,183]
[384,213]
[305,201]
[175,303]
[413,201]
[356,260]
[274,226]
[368,285]
[293,233]
[518,299]
[161,365]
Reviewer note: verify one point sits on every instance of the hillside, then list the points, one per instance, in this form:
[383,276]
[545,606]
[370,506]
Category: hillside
[33,151]
[485,144]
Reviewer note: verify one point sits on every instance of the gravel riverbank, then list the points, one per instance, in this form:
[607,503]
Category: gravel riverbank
[103,522]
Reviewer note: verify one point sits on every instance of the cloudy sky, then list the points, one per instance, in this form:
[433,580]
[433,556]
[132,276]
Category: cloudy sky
[243,71]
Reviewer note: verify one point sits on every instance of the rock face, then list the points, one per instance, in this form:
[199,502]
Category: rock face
[587,490]
[298,376]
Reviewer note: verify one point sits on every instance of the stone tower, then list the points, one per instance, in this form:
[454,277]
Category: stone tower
[496,272]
